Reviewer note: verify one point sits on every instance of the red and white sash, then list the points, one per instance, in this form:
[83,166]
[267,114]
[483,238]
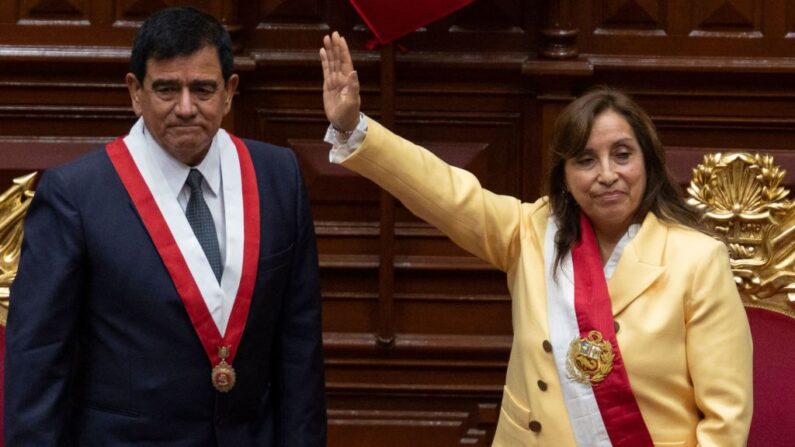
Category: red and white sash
[605,413]
[180,251]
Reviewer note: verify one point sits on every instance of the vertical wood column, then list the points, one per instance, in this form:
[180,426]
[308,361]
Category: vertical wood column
[386,269]
[559,35]
[226,12]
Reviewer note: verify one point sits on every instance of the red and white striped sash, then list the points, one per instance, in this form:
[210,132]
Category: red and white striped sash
[602,412]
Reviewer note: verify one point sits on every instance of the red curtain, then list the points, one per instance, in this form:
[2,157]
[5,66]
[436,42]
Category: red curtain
[391,19]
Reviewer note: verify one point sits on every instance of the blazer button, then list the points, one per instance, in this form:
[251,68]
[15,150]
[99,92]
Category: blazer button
[616,326]
[547,346]
[542,385]
[534,426]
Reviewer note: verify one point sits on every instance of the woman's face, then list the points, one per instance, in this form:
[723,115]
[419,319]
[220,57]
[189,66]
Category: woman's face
[608,179]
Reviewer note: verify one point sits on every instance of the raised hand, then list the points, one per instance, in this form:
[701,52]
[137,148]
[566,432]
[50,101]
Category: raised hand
[340,83]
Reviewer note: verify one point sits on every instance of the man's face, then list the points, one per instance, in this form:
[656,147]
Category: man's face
[183,101]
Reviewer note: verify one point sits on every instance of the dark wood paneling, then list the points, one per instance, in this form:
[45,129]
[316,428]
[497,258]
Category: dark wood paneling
[417,332]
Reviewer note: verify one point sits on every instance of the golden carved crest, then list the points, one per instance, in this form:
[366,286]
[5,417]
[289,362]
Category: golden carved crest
[13,205]
[746,207]
[590,359]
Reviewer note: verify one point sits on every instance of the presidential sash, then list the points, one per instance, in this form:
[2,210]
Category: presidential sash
[221,349]
[594,358]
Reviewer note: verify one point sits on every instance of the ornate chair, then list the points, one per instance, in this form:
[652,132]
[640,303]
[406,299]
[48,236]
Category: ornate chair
[745,205]
[13,205]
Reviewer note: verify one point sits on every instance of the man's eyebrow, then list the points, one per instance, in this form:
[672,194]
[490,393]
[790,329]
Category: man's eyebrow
[160,83]
[203,83]
[173,83]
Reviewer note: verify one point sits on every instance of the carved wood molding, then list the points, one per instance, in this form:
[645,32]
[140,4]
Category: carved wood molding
[455,422]
[587,65]
[559,31]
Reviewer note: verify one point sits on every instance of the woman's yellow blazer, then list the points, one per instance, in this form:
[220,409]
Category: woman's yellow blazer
[683,334]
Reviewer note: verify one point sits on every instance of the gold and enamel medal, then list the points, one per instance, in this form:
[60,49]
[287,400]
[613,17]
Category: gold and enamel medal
[590,358]
[223,375]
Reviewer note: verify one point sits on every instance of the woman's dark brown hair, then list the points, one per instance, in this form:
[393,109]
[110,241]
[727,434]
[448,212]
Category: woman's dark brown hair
[662,195]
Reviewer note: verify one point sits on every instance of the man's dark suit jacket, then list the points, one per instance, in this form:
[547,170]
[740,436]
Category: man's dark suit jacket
[101,352]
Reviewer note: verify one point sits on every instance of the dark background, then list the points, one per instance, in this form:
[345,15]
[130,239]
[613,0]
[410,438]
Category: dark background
[417,333]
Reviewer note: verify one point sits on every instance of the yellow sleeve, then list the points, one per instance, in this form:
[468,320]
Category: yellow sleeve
[451,199]
[719,353]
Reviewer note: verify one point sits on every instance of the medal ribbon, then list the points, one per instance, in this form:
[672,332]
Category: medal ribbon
[174,261]
[617,404]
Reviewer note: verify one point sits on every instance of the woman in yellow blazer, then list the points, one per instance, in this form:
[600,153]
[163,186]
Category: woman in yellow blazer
[674,366]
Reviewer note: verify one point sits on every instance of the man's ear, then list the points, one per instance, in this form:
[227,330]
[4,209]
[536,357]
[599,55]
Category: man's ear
[135,88]
[231,88]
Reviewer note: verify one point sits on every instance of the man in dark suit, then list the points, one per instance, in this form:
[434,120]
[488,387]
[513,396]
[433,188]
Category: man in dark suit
[167,292]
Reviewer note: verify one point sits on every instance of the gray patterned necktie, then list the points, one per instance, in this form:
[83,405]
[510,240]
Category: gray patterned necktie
[201,221]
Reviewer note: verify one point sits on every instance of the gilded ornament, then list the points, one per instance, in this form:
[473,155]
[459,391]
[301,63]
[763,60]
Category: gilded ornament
[745,206]
[590,359]
[14,204]
[223,375]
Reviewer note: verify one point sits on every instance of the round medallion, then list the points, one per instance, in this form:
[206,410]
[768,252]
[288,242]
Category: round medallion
[223,377]
[590,359]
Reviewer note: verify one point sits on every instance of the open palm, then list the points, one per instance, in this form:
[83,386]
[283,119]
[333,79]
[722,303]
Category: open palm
[341,99]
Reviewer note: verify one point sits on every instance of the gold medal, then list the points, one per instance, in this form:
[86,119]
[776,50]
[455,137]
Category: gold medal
[590,359]
[223,375]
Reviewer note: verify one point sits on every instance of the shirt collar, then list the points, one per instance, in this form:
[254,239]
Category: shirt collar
[176,173]
[612,263]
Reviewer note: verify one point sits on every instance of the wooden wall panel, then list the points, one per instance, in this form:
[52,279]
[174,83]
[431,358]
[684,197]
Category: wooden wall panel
[737,18]
[676,28]
[631,16]
[417,332]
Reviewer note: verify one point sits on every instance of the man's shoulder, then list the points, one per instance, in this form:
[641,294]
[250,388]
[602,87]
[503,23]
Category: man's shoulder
[92,162]
[270,156]
[85,181]
[263,149]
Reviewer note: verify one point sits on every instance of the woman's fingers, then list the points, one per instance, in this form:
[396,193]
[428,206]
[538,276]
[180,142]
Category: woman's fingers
[326,70]
[336,59]
[345,57]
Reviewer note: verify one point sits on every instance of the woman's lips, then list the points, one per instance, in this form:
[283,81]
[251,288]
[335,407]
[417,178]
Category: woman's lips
[611,196]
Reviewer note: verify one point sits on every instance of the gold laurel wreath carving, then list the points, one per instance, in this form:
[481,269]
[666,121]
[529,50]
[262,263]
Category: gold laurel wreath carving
[745,206]
[14,204]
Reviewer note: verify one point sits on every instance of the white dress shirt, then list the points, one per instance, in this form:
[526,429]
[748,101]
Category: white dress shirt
[176,173]
[165,177]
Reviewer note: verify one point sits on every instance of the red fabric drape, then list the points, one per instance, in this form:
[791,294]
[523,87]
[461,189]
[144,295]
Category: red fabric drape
[391,19]
[2,376]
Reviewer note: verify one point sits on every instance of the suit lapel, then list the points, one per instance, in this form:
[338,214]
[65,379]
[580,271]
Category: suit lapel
[640,265]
